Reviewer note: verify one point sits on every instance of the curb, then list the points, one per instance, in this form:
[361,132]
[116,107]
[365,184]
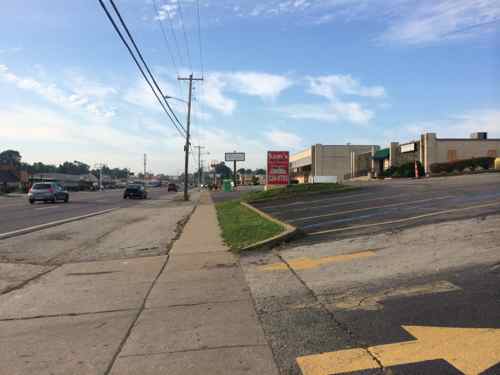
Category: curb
[291,232]
[36,228]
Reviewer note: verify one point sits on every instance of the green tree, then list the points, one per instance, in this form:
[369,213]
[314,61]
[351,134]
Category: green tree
[260,171]
[10,157]
[223,170]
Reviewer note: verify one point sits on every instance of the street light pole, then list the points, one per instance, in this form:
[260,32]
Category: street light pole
[188,129]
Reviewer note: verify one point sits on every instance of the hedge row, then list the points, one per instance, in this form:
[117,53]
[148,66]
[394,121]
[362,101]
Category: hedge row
[461,165]
[404,170]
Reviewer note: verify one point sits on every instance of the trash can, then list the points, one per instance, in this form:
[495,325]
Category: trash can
[227,185]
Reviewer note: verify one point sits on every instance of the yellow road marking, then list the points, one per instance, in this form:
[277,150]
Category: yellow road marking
[370,208]
[405,219]
[307,263]
[470,350]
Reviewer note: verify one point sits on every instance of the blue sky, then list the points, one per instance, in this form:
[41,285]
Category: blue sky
[279,74]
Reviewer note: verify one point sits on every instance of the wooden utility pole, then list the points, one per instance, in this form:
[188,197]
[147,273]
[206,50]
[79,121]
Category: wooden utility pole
[188,143]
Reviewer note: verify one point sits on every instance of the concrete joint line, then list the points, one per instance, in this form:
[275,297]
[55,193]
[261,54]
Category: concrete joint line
[291,232]
[344,327]
[52,224]
[194,350]
[65,315]
[26,282]
[180,226]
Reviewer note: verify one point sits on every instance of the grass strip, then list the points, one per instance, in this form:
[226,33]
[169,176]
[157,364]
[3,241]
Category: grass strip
[242,227]
[294,191]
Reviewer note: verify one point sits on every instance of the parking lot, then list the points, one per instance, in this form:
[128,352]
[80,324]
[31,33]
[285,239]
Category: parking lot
[389,205]
[397,277]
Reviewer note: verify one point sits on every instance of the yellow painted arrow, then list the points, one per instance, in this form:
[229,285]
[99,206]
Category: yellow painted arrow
[470,350]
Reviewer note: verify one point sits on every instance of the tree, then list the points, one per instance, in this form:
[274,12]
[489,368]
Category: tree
[223,170]
[241,171]
[10,157]
[76,167]
[260,171]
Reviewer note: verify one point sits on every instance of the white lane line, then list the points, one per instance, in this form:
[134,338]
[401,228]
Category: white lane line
[368,208]
[406,219]
[339,204]
[338,197]
[35,228]
[46,208]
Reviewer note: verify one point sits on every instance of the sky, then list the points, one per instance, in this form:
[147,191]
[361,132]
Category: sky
[278,75]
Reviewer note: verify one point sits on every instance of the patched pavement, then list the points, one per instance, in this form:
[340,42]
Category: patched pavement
[424,300]
[383,206]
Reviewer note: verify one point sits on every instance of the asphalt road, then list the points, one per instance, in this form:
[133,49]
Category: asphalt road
[17,213]
[390,205]
[424,300]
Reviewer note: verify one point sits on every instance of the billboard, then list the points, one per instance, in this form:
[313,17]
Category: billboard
[235,156]
[278,167]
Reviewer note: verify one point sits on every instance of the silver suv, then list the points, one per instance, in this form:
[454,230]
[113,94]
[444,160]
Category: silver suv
[47,192]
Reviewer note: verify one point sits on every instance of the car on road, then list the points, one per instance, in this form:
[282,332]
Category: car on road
[47,192]
[172,187]
[135,191]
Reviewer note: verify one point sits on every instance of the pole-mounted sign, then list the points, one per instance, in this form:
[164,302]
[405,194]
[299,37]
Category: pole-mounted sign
[278,167]
[234,157]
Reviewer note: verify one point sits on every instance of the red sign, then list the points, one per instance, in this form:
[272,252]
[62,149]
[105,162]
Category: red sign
[278,165]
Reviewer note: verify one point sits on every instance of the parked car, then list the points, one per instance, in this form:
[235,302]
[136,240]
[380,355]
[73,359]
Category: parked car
[135,191]
[172,187]
[47,192]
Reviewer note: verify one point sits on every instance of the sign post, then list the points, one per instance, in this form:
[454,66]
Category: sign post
[234,157]
[278,168]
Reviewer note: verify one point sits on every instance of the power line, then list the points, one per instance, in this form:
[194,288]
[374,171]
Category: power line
[199,37]
[172,31]
[185,34]
[144,62]
[139,66]
[155,6]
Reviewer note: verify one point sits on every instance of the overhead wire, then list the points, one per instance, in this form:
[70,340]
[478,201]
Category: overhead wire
[145,64]
[186,40]
[169,49]
[118,31]
[199,38]
[172,31]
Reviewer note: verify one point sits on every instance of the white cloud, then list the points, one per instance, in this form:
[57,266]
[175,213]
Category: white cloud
[212,95]
[334,85]
[71,99]
[287,140]
[335,111]
[434,21]
[167,10]
[258,84]
[334,88]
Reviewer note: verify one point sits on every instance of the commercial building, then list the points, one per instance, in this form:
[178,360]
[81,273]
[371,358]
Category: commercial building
[428,150]
[327,163]
[69,181]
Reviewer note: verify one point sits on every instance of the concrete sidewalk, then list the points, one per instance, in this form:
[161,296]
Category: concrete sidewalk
[199,318]
[189,312]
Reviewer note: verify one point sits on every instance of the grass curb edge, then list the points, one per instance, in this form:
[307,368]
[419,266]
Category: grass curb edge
[291,232]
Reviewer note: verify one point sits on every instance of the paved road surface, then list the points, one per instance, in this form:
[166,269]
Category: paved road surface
[389,205]
[424,300]
[17,213]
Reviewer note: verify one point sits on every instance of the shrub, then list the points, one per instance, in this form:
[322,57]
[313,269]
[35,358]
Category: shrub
[404,170]
[461,165]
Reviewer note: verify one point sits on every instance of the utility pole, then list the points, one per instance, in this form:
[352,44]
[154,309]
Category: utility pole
[188,143]
[145,163]
[200,163]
